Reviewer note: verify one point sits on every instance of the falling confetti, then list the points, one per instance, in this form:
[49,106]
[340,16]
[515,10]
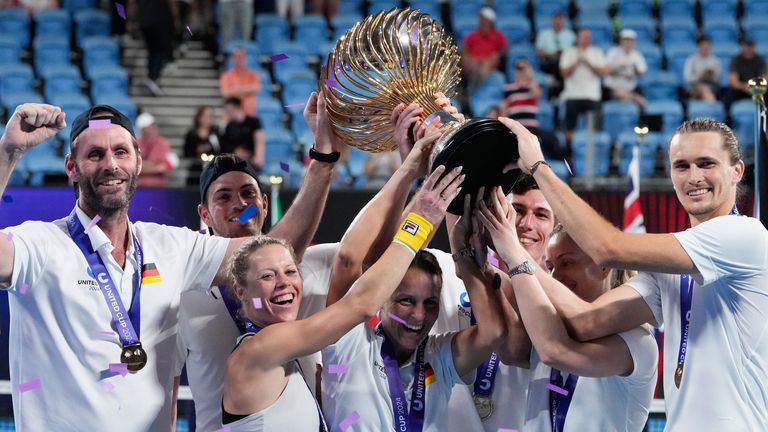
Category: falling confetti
[224,429]
[108,386]
[93,223]
[9,236]
[506,430]
[349,420]
[373,322]
[557,389]
[284,166]
[30,385]
[119,368]
[120,10]
[23,288]
[99,124]
[567,165]
[338,369]
[396,318]
[330,82]
[248,213]
[256,303]
[301,105]
[278,57]
[492,260]
[105,332]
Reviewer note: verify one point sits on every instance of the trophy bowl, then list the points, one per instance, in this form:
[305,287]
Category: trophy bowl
[404,56]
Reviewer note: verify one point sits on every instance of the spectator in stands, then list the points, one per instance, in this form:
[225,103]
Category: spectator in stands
[156,153]
[243,134]
[745,66]
[327,8]
[550,43]
[235,20]
[296,8]
[201,143]
[702,71]
[158,20]
[625,66]
[379,167]
[581,67]
[34,6]
[241,82]
[493,112]
[483,48]
[521,102]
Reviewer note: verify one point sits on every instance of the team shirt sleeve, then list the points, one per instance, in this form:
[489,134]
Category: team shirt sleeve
[440,352]
[645,355]
[349,347]
[647,285]
[30,241]
[733,246]
[204,256]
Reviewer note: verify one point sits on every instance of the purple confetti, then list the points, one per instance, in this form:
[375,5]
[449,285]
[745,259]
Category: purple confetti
[105,332]
[93,222]
[23,288]
[506,430]
[120,10]
[224,429]
[396,318]
[557,389]
[9,236]
[256,303]
[338,369]
[7,198]
[278,57]
[99,124]
[301,105]
[349,420]
[567,165]
[284,166]
[119,368]
[330,82]
[30,385]
[492,260]
[108,386]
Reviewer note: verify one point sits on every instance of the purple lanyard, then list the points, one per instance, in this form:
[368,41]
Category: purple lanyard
[485,376]
[559,403]
[406,420]
[686,298]
[323,426]
[243,324]
[127,331]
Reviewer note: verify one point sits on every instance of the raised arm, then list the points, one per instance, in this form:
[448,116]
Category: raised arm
[300,222]
[602,357]
[29,125]
[285,341]
[603,242]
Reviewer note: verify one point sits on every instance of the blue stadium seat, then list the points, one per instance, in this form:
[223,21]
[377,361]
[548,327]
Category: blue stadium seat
[270,29]
[376,6]
[743,118]
[343,22]
[297,59]
[299,126]
[90,23]
[640,8]
[311,30]
[753,22]
[699,109]
[546,115]
[660,85]
[520,51]
[648,151]
[42,160]
[601,29]
[590,7]
[676,9]
[545,8]
[619,117]
[508,8]
[15,22]
[671,112]
[10,50]
[727,50]
[465,9]
[353,6]
[11,101]
[431,8]
[61,80]
[53,22]
[121,102]
[72,104]
[278,145]
[50,50]
[752,8]
[99,52]
[642,25]
[73,6]
[297,90]
[16,79]
[602,150]
[678,30]
[462,26]
[109,80]
[515,29]
[270,112]
[676,55]
[652,54]
[251,49]
[266,83]
[721,29]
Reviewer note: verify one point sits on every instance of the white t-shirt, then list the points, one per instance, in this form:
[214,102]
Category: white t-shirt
[364,387]
[725,377]
[583,83]
[627,68]
[510,391]
[60,327]
[613,403]
[207,334]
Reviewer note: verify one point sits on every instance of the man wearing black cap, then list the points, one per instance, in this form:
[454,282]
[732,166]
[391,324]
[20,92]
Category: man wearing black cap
[207,329]
[82,328]
[746,65]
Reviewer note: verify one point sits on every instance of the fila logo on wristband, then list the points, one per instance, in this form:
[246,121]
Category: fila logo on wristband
[410,227]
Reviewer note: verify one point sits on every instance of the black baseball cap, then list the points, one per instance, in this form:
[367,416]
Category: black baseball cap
[220,165]
[82,121]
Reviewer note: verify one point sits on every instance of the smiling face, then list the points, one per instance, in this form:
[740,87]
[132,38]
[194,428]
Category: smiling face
[417,302]
[226,199]
[535,221]
[575,269]
[105,164]
[271,276]
[703,175]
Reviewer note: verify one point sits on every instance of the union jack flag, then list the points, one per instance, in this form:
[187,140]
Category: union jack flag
[633,213]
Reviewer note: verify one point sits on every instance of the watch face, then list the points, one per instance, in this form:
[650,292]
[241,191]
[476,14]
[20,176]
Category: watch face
[528,267]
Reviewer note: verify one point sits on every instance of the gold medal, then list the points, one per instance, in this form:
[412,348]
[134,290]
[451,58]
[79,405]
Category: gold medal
[678,374]
[483,405]
[134,357]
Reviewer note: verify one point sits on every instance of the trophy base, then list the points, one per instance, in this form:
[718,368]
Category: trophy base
[486,149]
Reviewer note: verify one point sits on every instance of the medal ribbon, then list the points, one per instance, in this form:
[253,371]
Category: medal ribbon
[558,403]
[124,321]
[406,419]
[243,324]
[485,377]
[323,427]
[686,298]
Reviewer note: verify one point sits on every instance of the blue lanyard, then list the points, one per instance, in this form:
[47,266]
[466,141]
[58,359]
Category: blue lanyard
[485,376]
[233,306]
[323,426]
[128,324]
[558,403]
[686,299]
[406,420]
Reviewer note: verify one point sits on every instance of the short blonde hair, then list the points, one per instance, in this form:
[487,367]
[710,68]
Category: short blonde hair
[238,264]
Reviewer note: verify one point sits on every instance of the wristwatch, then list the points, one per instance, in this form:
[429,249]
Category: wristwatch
[525,267]
[331,157]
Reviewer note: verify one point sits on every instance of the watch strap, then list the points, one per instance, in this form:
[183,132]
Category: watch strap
[331,157]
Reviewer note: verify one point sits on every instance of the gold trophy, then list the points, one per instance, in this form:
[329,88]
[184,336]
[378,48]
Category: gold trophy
[404,56]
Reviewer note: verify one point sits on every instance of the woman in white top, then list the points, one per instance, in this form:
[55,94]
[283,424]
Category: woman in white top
[262,391]
[604,384]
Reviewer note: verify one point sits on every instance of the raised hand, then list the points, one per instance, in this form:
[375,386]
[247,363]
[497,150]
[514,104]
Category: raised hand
[443,102]
[30,125]
[431,201]
[418,158]
[316,116]
[527,143]
[499,222]
[405,118]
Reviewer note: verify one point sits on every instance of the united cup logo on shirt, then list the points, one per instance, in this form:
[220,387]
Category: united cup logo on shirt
[410,227]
